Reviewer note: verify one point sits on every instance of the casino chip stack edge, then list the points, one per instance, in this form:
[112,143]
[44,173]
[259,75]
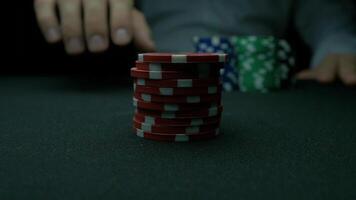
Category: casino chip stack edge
[177,97]
[256,63]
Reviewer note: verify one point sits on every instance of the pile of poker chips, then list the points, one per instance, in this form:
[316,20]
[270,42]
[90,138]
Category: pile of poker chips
[220,45]
[177,97]
[263,62]
[258,64]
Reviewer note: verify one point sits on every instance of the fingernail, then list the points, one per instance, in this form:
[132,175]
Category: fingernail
[75,45]
[53,35]
[122,36]
[96,43]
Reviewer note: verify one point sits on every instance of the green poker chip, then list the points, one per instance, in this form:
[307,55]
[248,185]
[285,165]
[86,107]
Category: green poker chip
[258,75]
[263,62]
[254,44]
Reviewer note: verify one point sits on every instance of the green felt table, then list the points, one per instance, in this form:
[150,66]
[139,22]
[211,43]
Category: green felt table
[70,138]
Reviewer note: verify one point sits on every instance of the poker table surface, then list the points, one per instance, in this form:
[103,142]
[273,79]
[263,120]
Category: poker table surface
[68,137]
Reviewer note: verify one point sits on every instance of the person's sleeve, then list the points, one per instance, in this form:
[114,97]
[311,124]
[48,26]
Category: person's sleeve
[327,26]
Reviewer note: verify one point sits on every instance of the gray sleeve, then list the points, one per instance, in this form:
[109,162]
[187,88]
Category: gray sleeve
[327,26]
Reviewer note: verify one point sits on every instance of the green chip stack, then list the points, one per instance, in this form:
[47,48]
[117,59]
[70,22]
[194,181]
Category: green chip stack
[263,63]
[286,61]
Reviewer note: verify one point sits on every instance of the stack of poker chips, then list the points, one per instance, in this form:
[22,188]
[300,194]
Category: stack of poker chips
[217,44]
[177,97]
[263,64]
[257,64]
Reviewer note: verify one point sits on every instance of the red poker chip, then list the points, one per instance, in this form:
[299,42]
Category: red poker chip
[176,137]
[158,75]
[171,107]
[178,99]
[211,112]
[183,58]
[178,83]
[186,67]
[166,91]
[176,122]
[175,129]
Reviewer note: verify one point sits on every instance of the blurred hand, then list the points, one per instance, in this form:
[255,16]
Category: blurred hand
[91,28]
[342,66]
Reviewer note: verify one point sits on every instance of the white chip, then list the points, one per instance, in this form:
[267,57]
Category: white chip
[213,111]
[139,133]
[140,57]
[155,67]
[168,116]
[166,91]
[232,77]
[215,41]
[146,97]
[149,120]
[181,138]
[262,57]
[282,55]
[196,122]
[155,75]
[284,44]
[222,57]
[203,46]
[184,83]
[146,127]
[179,58]
[244,41]
[250,47]
[192,130]
[193,99]
[224,46]
[247,66]
[227,87]
[171,107]
[252,38]
[269,65]
[210,50]
[134,102]
[141,81]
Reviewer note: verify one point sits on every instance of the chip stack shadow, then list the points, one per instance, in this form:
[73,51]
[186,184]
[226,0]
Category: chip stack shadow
[177,97]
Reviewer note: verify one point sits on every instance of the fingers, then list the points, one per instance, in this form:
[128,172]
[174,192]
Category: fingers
[327,70]
[121,21]
[142,33]
[347,69]
[48,22]
[96,24]
[308,74]
[323,73]
[71,22]
[126,24]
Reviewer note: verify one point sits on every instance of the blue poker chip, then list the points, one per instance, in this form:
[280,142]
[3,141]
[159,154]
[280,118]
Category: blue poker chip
[218,44]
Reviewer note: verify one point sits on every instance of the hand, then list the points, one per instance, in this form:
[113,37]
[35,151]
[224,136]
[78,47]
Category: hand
[342,66]
[124,24]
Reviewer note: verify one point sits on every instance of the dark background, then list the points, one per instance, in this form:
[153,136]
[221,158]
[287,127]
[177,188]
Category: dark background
[41,57]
